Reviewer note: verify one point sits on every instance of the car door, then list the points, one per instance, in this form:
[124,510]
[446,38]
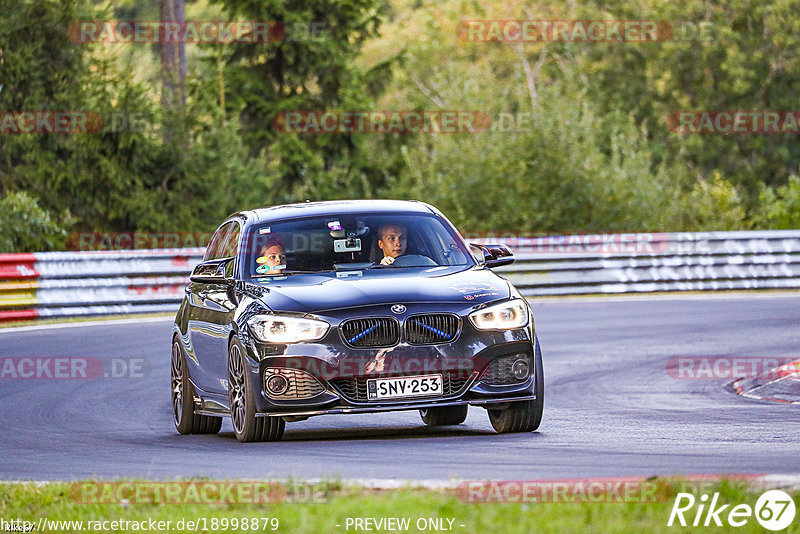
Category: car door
[210,314]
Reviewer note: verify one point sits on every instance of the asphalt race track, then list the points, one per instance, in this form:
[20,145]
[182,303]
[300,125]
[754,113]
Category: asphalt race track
[611,408]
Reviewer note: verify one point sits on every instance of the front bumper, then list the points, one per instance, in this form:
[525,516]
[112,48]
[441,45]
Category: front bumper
[495,403]
[331,361]
[331,400]
[468,388]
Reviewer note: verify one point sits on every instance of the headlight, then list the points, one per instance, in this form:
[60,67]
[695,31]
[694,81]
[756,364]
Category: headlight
[503,316]
[283,329]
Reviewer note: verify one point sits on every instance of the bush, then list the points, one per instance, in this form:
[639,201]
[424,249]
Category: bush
[574,170]
[779,208]
[29,228]
[710,205]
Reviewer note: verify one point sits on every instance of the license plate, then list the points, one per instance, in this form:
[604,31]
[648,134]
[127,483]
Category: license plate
[407,386]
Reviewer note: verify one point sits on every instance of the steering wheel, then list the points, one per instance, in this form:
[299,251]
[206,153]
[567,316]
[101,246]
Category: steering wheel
[413,260]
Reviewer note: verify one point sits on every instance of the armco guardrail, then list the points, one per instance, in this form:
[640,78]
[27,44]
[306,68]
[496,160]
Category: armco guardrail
[637,263]
[65,284]
[52,284]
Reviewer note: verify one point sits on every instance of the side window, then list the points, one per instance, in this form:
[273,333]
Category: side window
[214,249]
[231,241]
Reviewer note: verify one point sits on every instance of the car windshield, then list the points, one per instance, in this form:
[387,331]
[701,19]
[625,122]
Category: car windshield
[347,242]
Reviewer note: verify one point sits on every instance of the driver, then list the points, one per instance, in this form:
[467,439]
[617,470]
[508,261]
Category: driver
[392,240]
[272,258]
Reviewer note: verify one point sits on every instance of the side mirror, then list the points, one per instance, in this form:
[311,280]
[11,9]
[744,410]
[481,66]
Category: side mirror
[213,272]
[494,255]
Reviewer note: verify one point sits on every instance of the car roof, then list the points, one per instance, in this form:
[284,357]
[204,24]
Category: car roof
[338,207]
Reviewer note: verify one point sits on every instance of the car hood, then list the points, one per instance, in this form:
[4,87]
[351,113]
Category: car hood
[346,289]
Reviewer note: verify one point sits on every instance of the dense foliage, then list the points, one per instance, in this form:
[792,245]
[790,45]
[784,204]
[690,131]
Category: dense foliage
[579,139]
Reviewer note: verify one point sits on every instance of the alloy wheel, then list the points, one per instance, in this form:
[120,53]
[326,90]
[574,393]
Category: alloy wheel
[177,384]
[236,390]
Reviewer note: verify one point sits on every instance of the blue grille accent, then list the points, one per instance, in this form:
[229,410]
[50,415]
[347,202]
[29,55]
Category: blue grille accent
[371,332]
[432,328]
[444,335]
[362,334]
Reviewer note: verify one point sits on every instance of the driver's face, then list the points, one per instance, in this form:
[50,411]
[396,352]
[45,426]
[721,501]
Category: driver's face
[393,242]
[275,256]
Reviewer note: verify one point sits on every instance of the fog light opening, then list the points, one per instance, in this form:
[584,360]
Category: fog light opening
[277,384]
[520,369]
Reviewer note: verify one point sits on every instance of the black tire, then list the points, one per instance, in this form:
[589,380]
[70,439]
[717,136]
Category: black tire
[446,415]
[246,426]
[525,416]
[186,421]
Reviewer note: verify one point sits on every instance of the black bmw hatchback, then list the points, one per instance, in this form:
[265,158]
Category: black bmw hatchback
[351,307]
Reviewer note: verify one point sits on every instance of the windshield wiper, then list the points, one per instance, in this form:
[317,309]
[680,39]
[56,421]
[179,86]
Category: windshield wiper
[353,266]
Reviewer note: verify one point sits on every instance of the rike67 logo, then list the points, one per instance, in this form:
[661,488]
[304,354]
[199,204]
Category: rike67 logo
[774,510]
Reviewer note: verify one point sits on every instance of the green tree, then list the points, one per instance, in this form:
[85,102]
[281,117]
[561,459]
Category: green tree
[310,68]
[114,179]
[741,59]
[725,55]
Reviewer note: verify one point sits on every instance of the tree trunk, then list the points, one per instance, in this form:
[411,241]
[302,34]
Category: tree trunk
[173,57]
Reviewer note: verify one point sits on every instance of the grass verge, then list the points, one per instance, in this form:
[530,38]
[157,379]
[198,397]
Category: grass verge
[326,508]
